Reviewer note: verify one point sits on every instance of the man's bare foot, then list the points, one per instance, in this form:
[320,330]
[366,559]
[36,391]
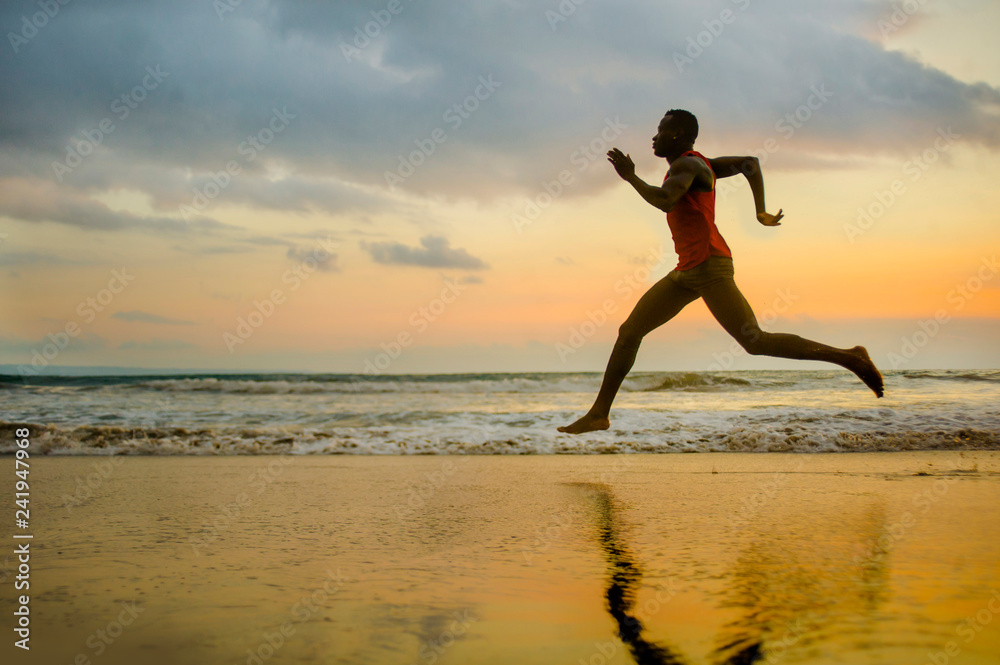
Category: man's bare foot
[866,370]
[588,423]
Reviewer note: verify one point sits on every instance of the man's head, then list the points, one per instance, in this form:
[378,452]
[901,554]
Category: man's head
[675,134]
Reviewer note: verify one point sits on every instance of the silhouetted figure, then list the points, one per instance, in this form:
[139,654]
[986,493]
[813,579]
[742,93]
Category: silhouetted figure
[705,266]
[624,581]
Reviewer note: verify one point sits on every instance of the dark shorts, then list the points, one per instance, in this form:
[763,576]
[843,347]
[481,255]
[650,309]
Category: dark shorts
[711,271]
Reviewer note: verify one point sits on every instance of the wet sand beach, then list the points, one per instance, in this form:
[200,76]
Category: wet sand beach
[720,558]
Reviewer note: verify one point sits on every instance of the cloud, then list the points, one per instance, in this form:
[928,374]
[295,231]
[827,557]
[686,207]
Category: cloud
[435,252]
[155,345]
[21,349]
[214,249]
[325,261]
[352,121]
[145,317]
[39,201]
[38,258]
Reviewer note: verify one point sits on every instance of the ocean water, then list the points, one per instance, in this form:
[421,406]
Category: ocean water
[752,411]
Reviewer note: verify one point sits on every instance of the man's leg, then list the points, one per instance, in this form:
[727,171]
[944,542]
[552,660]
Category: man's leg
[733,311]
[658,305]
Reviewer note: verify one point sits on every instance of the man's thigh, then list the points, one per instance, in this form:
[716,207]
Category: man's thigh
[731,310]
[662,302]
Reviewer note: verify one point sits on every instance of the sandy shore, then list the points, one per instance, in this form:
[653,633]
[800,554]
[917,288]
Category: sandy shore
[848,558]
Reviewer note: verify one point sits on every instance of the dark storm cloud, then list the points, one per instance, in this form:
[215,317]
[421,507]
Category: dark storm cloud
[224,85]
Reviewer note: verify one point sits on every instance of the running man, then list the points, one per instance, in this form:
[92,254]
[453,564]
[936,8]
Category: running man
[705,266]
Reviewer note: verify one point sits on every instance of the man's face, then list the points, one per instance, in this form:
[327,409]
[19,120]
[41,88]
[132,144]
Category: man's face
[666,137]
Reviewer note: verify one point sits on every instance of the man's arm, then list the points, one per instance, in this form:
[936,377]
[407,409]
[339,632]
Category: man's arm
[679,179]
[725,167]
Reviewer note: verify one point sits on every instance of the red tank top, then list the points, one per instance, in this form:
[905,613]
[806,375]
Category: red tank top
[692,226]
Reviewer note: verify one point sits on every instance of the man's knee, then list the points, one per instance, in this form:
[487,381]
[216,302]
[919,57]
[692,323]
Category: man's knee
[630,333]
[753,341]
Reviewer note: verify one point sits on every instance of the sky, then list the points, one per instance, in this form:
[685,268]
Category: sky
[406,186]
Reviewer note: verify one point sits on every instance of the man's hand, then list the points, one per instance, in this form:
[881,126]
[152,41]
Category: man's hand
[767,219]
[623,163]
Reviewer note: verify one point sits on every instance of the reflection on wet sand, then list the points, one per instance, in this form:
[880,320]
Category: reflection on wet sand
[786,595]
[794,593]
[624,575]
